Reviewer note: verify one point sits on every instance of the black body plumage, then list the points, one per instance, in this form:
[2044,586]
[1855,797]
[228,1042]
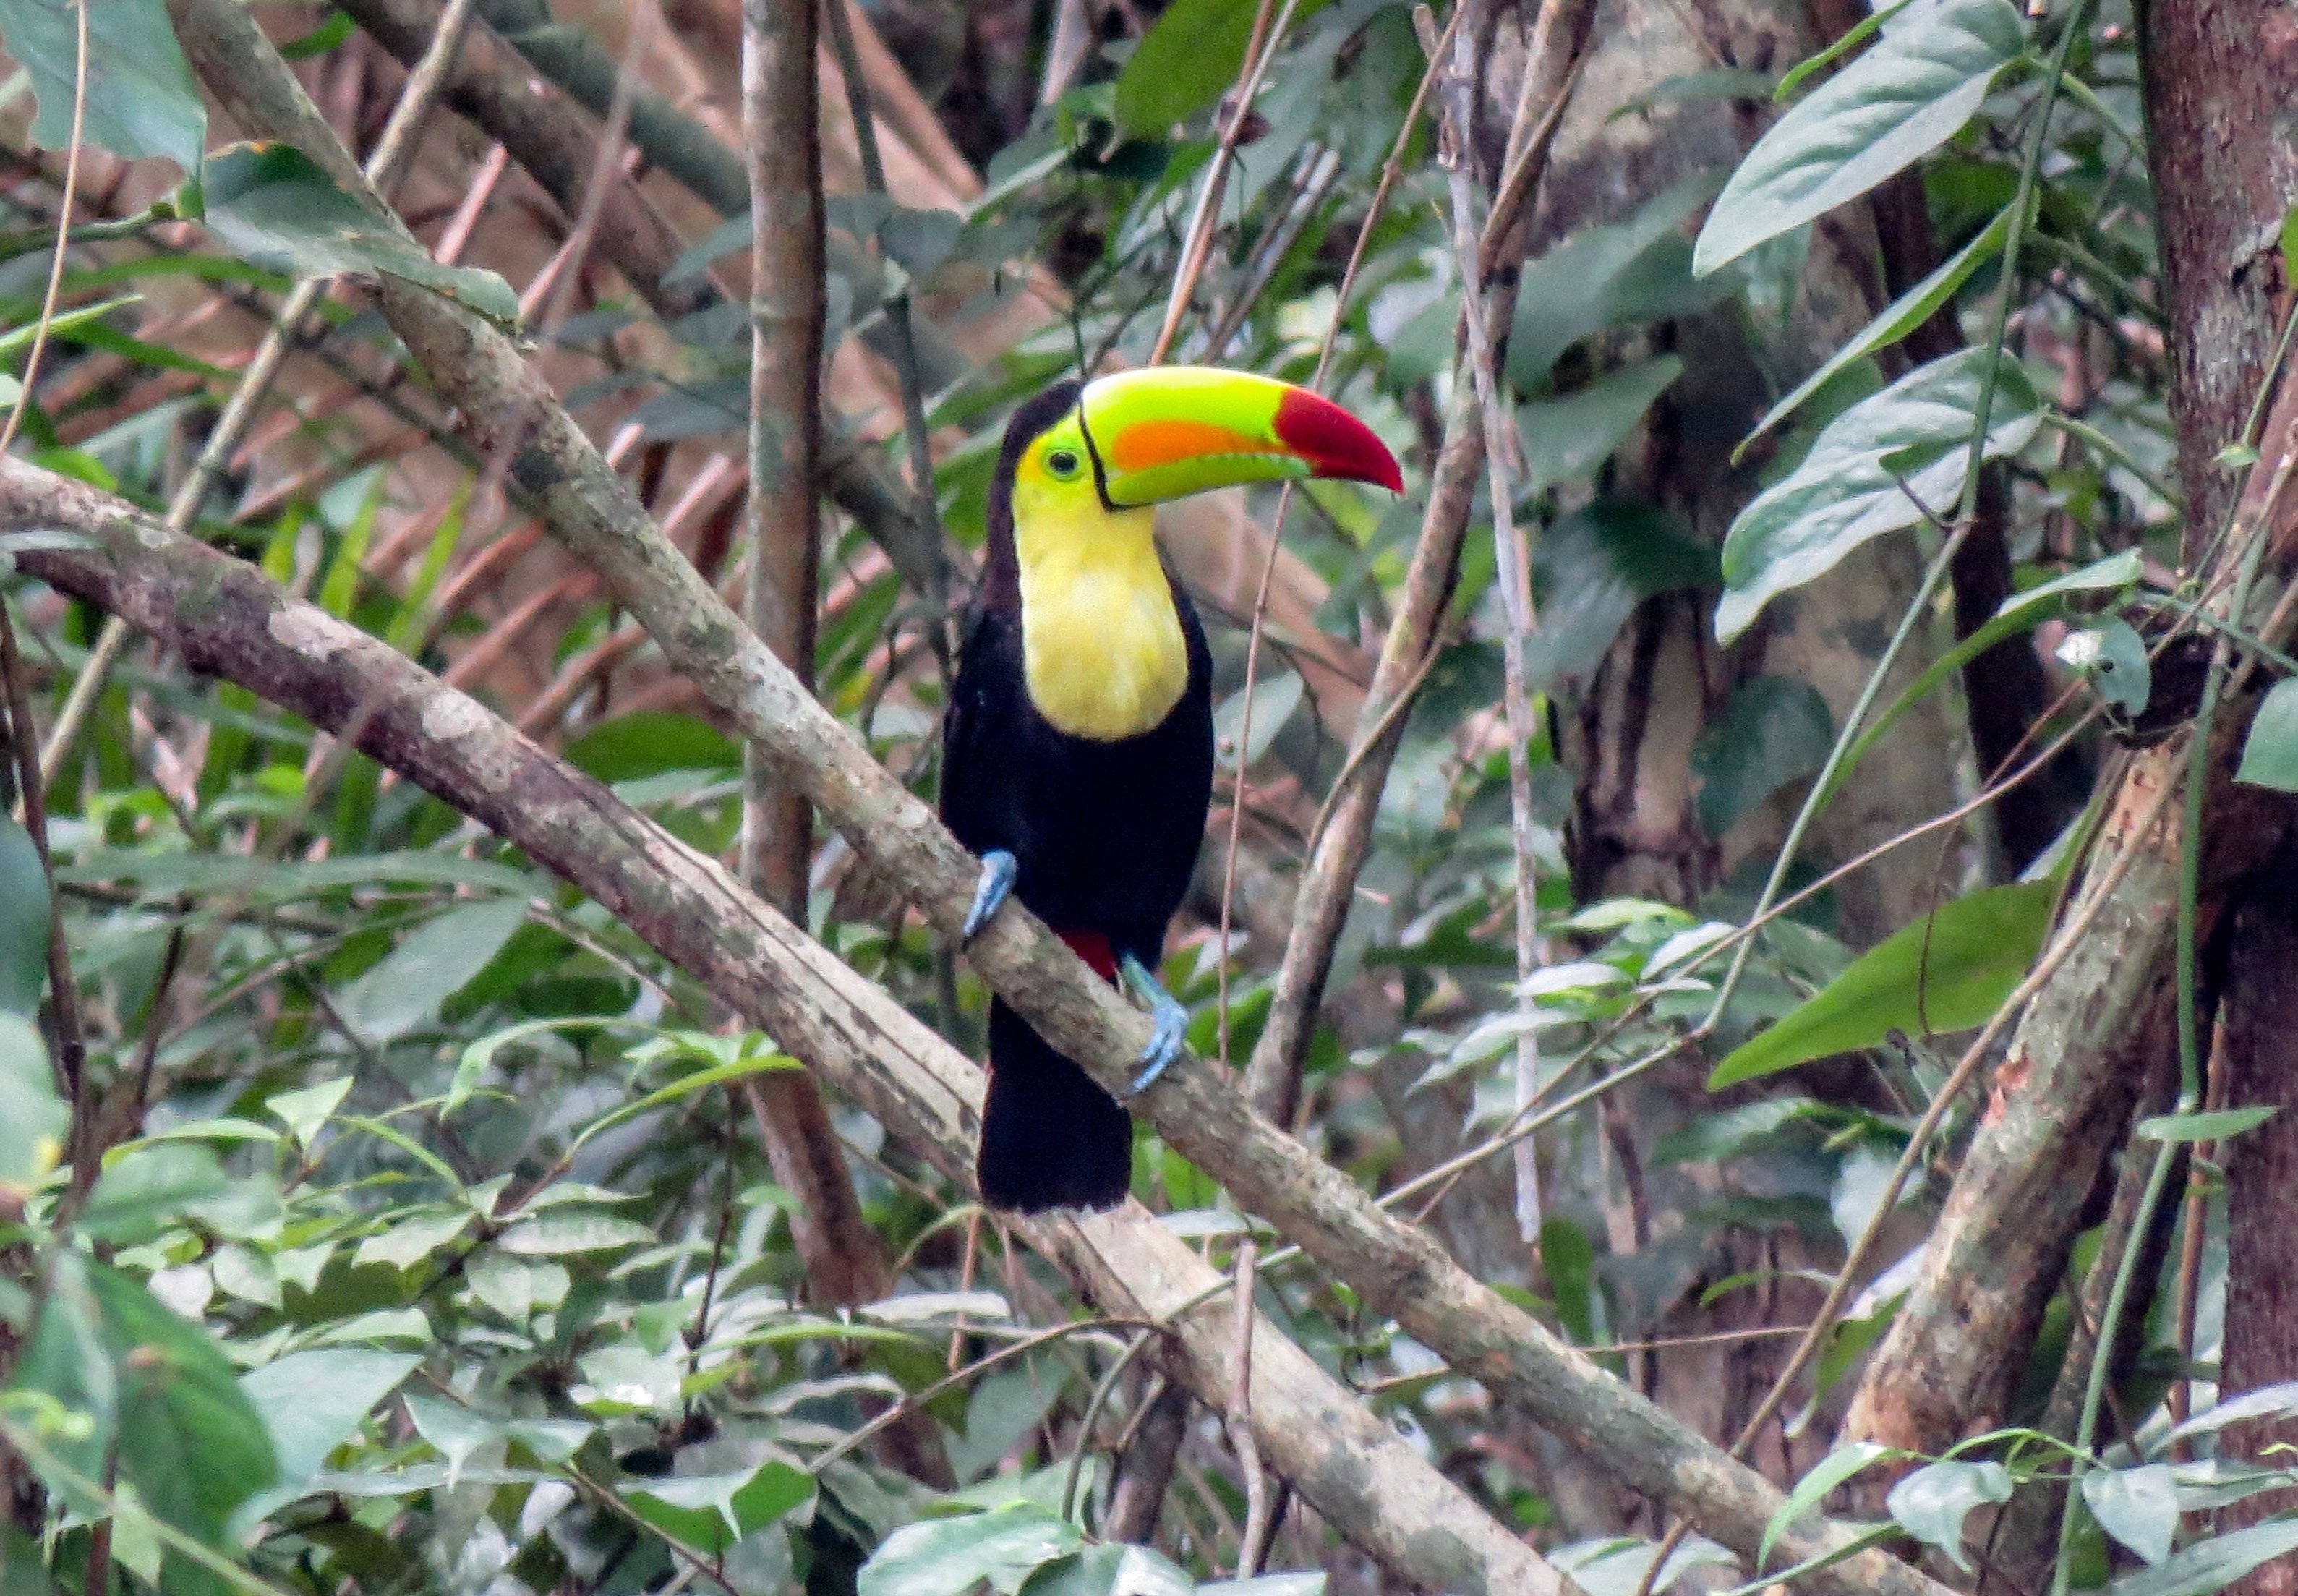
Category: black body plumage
[1106,835]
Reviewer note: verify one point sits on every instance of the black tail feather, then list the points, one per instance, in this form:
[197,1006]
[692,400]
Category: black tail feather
[1050,1137]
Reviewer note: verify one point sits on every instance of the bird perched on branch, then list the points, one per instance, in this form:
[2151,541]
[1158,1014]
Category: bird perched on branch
[1078,750]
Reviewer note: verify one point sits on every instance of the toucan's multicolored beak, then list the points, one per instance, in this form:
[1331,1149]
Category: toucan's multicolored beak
[1165,432]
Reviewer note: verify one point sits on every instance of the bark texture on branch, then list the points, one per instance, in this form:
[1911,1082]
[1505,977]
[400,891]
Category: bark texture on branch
[228,620]
[2222,88]
[1397,1268]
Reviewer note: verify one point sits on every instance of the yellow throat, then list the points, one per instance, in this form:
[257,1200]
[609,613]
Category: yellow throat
[1101,645]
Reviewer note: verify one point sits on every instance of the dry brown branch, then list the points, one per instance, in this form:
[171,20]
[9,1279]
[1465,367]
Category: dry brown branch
[225,618]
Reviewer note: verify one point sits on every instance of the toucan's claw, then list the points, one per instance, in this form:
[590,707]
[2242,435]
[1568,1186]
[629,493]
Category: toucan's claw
[1165,1013]
[998,869]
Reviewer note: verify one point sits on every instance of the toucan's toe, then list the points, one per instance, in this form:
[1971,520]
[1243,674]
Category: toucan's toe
[998,869]
[1171,1020]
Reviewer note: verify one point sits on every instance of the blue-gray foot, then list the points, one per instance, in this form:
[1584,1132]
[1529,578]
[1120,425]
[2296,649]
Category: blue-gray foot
[998,869]
[1165,1014]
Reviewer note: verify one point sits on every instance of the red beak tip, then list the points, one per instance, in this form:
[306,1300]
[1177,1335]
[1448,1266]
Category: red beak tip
[1335,442]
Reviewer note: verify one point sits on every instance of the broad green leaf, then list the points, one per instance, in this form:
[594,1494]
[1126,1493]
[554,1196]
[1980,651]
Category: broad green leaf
[1857,34]
[1874,469]
[142,99]
[163,877]
[1568,438]
[1117,1570]
[271,204]
[306,1109]
[2212,1127]
[24,921]
[33,1118]
[408,1237]
[1900,318]
[1569,1261]
[1188,59]
[1617,1565]
[68,1360]
[1815,1487]
[2211,1565]
[436,961]
[147,1190]
[1590,571]
[1931,1503]
[2138,1507]
[1275,699]
[552,1235]
[2269,754]
[1947,972]
[1636,270]
[1911,92]
[188,1439]
[711,1512]
[2268,1401]
[313,1401]
[1774,730]
[686,1086]
[947,1556]
[2112,656]
[647,743]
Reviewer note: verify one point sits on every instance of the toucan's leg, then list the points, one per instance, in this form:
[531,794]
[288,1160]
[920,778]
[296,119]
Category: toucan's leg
[1165,1011]
[998,869]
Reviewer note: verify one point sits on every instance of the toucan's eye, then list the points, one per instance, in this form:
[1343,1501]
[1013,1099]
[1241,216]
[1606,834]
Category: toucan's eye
[1063,464]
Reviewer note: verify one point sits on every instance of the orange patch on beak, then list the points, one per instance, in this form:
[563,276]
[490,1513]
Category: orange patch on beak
[1163,442]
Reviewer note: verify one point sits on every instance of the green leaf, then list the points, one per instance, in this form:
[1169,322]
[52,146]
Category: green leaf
[1275,699]
[1947,971]
[274,206]
[1857,35]
[2269,754]
[2112,656]
[312,1403]
[2211,1565]
[32,1118]
[649,743]
[1638,269]
[1931,1503]
[305,1109]
[160,1394]
[2138,1507]
[142,99]
[1188,59]
[429,967]
[2216,1126]
[1568,438]
[711,1512]
[947,1556]
[686,1086]
[2268,1401]
[147,1189]
[24,921]
[1848,489]
[1815,1487]
[1116,1570]
[1900,318]
[1911,92]
[1569,1261]
[1590,571]
[555,1233]
[1774,730]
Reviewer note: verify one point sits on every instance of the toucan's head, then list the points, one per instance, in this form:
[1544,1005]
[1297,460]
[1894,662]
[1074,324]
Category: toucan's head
[1136,439]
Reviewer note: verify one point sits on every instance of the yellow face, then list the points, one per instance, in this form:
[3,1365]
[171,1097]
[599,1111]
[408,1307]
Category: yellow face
[1055,474]
[1101,643]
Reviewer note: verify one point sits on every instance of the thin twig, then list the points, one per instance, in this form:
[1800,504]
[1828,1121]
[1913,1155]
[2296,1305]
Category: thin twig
[1197,244]
[1251,1540]
[1512,561]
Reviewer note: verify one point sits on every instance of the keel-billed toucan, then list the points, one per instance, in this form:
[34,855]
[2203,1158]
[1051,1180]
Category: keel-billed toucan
[1079,744]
